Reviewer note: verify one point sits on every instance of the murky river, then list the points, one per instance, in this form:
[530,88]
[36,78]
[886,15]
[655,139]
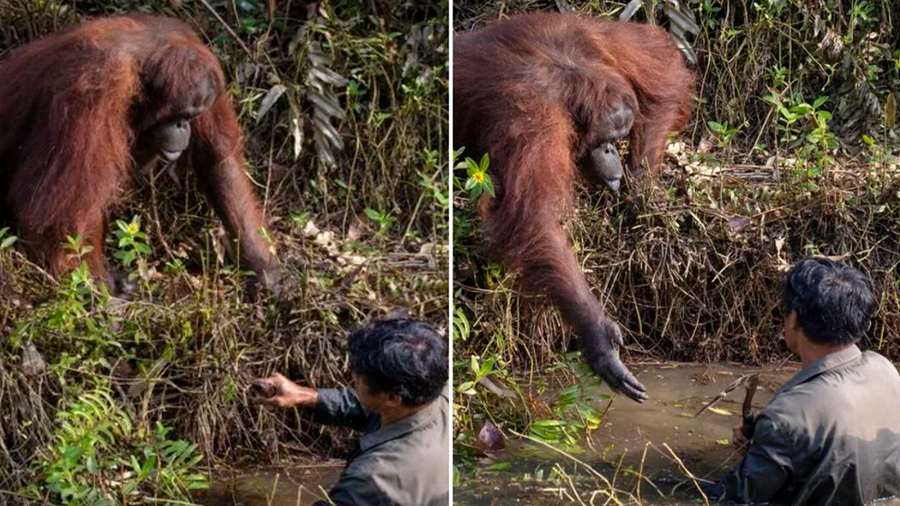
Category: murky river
[296,486]
[642,453]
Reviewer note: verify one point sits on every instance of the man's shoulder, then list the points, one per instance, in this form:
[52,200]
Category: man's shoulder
[416,447]
[425,442]
[878,361]
[792,409]
[827,394]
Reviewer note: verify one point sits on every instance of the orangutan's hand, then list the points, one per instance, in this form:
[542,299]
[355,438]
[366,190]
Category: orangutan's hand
[600,347]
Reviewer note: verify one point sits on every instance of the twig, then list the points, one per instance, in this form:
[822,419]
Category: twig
[227,28]
[689,474]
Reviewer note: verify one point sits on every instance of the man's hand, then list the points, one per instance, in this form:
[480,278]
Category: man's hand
[738,440]
[276,390]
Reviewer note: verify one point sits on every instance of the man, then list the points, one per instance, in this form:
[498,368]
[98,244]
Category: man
[831,435]
[399,401]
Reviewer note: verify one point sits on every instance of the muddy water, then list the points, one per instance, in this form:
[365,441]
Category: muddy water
[295,486]
[635,439]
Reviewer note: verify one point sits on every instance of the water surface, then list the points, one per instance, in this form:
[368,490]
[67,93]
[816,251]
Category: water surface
[294,486]
[660,440]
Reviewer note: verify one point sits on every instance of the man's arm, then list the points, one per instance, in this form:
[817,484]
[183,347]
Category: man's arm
[766,468]
[332,406]
[340,406]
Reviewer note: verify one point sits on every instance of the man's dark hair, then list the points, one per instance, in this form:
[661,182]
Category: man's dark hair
[833,301]
[401,356]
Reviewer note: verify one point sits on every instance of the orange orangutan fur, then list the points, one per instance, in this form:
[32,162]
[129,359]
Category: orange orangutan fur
[534,92]
[72,107]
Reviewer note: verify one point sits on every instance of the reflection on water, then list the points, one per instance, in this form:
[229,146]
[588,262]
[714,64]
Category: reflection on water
[659,440]
[296,486]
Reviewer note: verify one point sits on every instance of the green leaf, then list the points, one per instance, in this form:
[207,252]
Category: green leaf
[198,484]
[467,388]
[593,418]
[488,366]
[772,99]
[72,453]
[488,186]
[472,167]
[716,127]
[485,163]
[801,109]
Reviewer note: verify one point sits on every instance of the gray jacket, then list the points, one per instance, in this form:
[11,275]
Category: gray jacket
[405,464]
[831,436]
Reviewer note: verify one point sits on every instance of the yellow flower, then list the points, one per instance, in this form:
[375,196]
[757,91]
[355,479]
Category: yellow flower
[478,177]
[133,228]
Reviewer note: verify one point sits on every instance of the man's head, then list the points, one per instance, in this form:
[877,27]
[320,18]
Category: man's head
[828,302]
[399,363]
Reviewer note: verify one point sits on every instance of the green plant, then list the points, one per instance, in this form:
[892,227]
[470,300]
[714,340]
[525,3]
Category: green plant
[6,240]
[300,219]
[461,326]
[76,246]
[436,186]
[726,134]
[131,245]
[574,410]
[384,219]
[479,180]
[480,370]
[468,189]
[77,318]
[805,127]
[174,266]
[439,192]
[99,457]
